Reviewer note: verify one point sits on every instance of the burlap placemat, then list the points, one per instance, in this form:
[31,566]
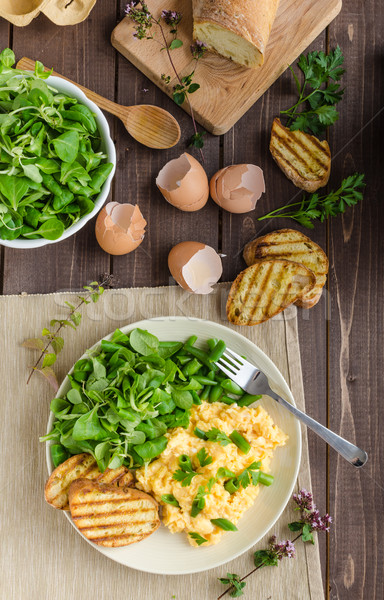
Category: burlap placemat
[42,557]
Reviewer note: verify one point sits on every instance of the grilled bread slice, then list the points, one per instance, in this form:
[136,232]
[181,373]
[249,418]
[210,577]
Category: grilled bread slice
[112,516]
[290,244]
[84,466]
[265,288]
[302,157]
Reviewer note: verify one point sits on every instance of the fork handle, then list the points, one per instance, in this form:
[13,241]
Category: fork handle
[350,452]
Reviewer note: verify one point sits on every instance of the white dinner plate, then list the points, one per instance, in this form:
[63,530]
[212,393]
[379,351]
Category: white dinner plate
[170,554]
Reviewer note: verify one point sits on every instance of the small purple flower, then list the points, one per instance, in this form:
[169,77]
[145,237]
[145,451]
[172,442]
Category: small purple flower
[281,549]
[309,513]
[171,17]
[198,49]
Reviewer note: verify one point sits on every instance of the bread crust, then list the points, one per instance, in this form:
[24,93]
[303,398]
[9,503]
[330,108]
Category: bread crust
[304,159]
[265,289]
[112,516]
[82,466]
[293,245]
[241,17]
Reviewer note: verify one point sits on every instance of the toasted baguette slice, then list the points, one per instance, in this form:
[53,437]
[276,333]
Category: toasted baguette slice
[292,245]
[265,288]
[112,516]
[84,466]
[302,157]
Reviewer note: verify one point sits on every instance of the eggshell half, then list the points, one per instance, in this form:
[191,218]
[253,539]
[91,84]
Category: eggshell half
[237,188]
[120,228]
[184,183]
[195,266]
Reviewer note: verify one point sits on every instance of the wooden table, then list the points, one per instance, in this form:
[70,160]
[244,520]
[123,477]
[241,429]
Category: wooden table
[341,339]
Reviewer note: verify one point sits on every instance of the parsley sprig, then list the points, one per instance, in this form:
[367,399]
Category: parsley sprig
[186,472]
[198,503]
[314,207]
[318,93]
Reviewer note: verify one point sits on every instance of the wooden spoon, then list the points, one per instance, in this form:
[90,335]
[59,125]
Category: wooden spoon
[150,125]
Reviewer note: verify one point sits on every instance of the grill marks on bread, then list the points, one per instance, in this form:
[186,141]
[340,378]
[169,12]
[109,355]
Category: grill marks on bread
[80,466]
[302,157]
[112,516]
[265,288]
[292,245]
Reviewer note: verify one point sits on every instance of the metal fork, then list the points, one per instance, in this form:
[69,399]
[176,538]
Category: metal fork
[254,381]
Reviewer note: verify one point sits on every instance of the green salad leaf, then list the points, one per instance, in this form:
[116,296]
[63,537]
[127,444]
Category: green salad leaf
[51,163]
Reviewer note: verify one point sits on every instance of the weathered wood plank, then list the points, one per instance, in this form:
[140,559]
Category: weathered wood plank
[135,183]
[356,327]
[248,142]
[84,54]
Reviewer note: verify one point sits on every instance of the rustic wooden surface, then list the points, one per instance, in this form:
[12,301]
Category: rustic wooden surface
[341,338]
[296,25]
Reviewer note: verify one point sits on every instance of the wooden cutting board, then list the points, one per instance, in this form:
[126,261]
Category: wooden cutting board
[227,90]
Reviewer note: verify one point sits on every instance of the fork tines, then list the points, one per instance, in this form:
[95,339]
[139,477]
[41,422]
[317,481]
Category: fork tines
[230,362]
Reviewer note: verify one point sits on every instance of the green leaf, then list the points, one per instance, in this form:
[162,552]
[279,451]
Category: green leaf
[215,435]
[7,57]
[66,146]
[32,172]
[75,318]
[204,458]
[197,537]
[182,399]
[296,526]
[57,344]
[307,534]
[178,97]
[175,44]
[193,88]
[151,448]
[49,359]
[143,342]
[265,558]
[14,188]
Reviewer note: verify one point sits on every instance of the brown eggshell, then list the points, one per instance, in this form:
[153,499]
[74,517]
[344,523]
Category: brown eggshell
[120,228]
[237,188]
[184,183]
[195,266]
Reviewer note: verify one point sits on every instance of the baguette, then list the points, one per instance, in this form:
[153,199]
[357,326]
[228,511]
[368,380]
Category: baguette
[265,289]
[302,157]
[290,244]
[236,29]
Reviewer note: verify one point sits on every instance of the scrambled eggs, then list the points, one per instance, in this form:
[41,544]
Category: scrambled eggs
[254,424]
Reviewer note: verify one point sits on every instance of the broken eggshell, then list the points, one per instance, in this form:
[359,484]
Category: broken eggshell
[184,183]
[195,266]
[120,228]
[237,188]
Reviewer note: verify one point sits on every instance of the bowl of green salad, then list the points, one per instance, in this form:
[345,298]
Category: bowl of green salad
[57,158]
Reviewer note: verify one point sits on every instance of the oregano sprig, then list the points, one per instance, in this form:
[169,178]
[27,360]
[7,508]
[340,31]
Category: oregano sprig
[51,343]
[276,551]
[144,20]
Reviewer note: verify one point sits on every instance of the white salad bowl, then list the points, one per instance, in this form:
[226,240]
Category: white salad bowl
[107,146]
[171,554]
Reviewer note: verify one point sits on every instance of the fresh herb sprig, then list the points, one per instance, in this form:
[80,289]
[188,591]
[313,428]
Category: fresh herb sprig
[144,20]
[310,521]
[314,207]
[317,95]
[186,472]
[51,343]
[198,503]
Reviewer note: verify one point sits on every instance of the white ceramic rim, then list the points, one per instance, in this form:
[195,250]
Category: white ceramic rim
[107,147]
[283,387]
